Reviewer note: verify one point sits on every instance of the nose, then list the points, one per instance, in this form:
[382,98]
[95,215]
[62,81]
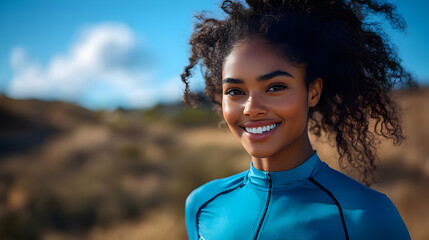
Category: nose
[254,107]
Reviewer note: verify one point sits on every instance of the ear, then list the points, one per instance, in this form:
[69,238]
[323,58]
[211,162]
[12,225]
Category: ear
[314,92]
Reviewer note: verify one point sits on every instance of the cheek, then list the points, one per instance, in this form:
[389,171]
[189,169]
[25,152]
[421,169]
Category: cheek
[292,108]
[227,111]
[231,113]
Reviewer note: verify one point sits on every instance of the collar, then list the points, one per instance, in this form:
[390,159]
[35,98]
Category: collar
[285,179]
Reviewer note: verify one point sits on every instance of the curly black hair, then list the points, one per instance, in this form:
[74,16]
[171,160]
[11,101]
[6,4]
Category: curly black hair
[340,42]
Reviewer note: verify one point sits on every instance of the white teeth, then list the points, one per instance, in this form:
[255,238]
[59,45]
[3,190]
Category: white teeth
[260,130]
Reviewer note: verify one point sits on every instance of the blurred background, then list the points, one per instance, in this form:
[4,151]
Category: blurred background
[96,144]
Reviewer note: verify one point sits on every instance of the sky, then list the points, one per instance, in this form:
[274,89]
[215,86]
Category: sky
[105,54]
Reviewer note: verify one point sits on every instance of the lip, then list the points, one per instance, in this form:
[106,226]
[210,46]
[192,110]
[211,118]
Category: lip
[255,124]
[261,136]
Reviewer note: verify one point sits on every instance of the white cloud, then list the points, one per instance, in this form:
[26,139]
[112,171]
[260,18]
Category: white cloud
[104,68]
[18,57]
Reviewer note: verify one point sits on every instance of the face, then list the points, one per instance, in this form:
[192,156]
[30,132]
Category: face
[265,101]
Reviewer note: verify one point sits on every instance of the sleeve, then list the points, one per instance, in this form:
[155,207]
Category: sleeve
[371,214]
[191,209]
[200,196]
[396,227]
[385,222]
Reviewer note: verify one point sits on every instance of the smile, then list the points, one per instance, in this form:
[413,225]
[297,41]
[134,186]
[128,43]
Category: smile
[260,130]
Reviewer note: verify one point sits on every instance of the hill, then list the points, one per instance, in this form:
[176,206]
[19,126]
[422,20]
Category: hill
[70,173]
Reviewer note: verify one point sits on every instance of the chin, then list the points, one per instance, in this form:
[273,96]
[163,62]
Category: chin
[259,154]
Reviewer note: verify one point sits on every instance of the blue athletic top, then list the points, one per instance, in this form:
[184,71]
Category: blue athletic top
[311,201]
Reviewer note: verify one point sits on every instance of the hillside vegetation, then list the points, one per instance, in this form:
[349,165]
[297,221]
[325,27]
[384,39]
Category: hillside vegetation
[70,173]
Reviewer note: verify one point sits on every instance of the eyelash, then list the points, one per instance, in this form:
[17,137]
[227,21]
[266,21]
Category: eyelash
[232,90]
[229,91]
[282,85]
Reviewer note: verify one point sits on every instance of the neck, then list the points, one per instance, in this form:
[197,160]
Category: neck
[288,158]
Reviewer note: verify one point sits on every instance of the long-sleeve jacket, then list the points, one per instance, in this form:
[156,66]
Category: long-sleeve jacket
[311,201]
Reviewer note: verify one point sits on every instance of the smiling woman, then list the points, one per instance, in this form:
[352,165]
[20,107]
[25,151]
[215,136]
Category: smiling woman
[277,70]
[268,92]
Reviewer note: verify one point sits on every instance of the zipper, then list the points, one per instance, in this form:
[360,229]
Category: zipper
[265,210]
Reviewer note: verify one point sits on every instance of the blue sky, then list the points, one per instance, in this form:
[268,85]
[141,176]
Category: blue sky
[104,54]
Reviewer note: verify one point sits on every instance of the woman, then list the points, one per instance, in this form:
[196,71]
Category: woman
[278,69]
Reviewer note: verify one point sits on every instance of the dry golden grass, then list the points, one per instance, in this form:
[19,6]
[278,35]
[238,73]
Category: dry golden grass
[125,175]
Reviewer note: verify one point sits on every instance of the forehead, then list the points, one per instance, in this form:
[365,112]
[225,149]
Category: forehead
[257,57]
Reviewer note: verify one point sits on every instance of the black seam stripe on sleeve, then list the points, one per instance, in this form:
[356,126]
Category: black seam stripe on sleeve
[211,199]
[336,203]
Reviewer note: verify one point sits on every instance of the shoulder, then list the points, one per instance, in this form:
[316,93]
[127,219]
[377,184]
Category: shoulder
[346,188]
[204,194]
[209,190]
[365,207]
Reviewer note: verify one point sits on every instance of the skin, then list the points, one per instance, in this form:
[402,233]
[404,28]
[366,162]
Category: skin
[260,87]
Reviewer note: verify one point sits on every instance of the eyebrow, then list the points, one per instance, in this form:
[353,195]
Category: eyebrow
[260,78]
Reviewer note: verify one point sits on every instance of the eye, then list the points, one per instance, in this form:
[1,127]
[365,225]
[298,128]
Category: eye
[276,87]
[234,92]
